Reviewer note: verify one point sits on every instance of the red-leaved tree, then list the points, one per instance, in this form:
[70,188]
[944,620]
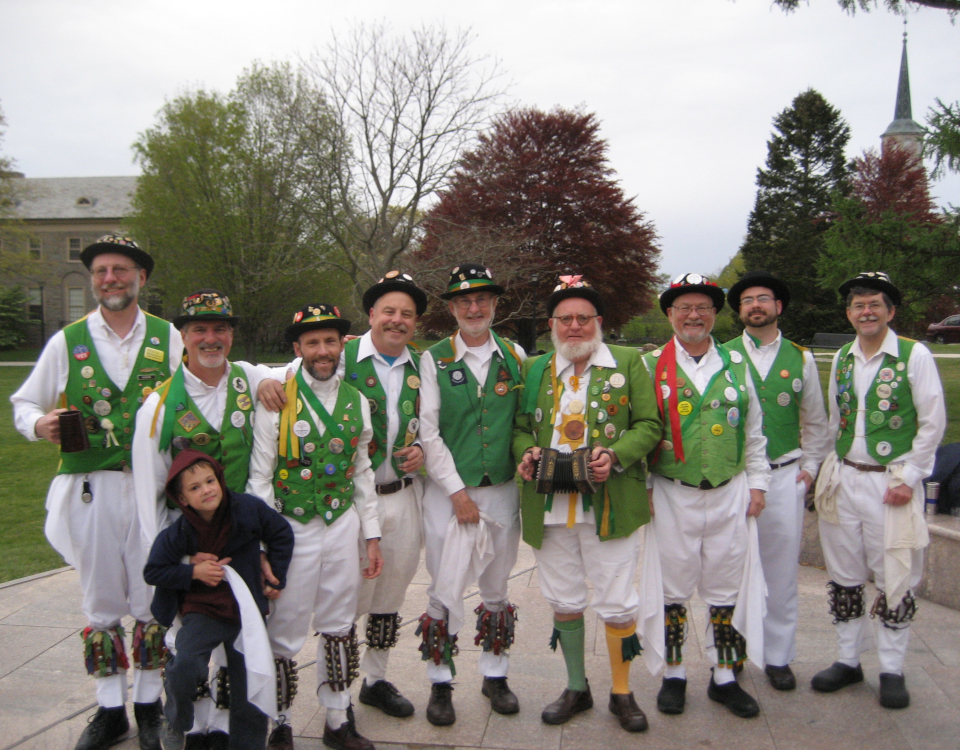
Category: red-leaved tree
[893,181]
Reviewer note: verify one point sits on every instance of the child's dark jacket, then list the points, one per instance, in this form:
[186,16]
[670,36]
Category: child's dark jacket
[251,521]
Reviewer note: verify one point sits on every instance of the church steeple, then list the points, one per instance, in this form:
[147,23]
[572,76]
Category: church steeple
[903,130]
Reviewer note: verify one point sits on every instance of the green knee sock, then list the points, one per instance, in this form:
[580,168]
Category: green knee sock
[570,635]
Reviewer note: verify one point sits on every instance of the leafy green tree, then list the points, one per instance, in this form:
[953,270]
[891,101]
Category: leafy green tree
[895,6]
[942,141]
[13,323]
[805,166]
[220,203]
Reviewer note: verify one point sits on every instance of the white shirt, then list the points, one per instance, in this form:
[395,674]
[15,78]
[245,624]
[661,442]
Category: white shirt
[41,391]
[814,433]
[266,447]
[928,399]
[441,467]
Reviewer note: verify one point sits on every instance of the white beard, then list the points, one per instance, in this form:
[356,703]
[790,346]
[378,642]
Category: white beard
[577,352]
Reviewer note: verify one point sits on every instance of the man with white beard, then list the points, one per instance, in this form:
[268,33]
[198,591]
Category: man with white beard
[102,366]
[470,385]
[588,394]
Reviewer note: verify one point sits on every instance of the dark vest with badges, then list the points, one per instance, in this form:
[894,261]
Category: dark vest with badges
[314,474]
[712,424]
[891,417]
[780,394]
[184,426]
[363,376]
[109,414]
[476,421]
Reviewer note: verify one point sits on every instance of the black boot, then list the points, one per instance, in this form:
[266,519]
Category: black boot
[440,711]
[149,718]
[105,727]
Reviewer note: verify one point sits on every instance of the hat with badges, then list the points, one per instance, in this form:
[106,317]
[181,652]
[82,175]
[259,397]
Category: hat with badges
[394,281]
[759,278]
[691,283]
[876,280]
[313,316]
[117,243]
[469,278]
[205,305]
[574,286]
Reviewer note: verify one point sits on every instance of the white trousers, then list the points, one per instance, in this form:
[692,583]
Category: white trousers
[501,503]
[570,556]
[323,583]
[853,549]
[780,528]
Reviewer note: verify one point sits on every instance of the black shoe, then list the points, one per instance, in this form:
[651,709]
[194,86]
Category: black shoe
[893,691]
[734,697]
[440,711]
[149,718]
[625,708]
[217,740]
[281,738]
[569,703]
[385,696]
[672,696]
[502,698]
[836,676]
[170,738]
[345,738]
[197,741]
[781,678]
[104,728]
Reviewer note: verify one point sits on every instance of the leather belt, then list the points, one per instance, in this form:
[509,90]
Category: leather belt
[704,484]
[785,463]
[864,467]
[392,487]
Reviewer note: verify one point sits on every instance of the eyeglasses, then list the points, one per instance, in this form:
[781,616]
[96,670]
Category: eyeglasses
[687,309]
[567,320]
[874,307]
[763,299]
[464,303]
[118,271]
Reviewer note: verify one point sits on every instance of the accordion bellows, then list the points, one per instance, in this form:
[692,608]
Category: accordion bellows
[565,472]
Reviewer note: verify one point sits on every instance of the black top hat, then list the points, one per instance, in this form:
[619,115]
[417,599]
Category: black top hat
[468,278]
[877,280]
[759,278]
[394,281]
[689,283]
[117,243]
[313,316]
[574,286]
[205,305]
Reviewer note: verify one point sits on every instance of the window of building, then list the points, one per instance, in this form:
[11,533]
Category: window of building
[35,305]
[73,248]
[36,248]
[76,304]
[84,201]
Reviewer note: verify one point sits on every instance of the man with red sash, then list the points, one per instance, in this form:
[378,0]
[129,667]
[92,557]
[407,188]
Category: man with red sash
[103,366]
[470,386]
[588,395]
[888,415]
[206,405]
[708,476]
[311,462]
[795,424]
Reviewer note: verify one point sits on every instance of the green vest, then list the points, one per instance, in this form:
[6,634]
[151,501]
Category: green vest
[780,394]
[712,429]
[891,417]
[184,426]
[321,481]
[476,423]
[363,376]
[99,400]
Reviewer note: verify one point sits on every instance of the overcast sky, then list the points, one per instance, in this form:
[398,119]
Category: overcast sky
[686,90]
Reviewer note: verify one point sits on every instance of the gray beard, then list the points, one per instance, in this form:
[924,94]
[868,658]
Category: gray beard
[116,304]
[577,352]
[315,374]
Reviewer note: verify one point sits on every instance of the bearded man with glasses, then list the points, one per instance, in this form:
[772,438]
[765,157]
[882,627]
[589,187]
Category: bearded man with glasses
[708,476]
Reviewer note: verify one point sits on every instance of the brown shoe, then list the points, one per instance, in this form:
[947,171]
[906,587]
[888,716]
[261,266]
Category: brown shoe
[346,738]
[569,703]
[281,738]
[625,708]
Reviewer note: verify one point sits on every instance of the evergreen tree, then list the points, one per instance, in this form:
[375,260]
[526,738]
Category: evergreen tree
[785,233]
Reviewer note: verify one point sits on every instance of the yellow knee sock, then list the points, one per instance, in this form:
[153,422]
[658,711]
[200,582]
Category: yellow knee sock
[619,666]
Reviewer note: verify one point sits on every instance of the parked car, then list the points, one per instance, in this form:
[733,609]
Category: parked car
[947,331]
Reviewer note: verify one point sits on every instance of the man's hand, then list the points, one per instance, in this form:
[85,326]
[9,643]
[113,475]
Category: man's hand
[601,462]
[650,501]
[804,476]
[210,572]
[269,579]
[899,495]
[757,503]
[529,460]
[412,458]
[201,557]
[48,426]
[271,394]
[375,559]
[466,510]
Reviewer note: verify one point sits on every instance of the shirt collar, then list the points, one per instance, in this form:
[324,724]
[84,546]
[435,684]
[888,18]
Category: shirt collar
[194,383]
[602,357]
[96,319]
[681,352]
[749,343]
[461,346]
[368,349]
[890,345]
[320,387]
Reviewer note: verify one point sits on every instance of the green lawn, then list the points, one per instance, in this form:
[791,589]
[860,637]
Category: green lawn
[26,469]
